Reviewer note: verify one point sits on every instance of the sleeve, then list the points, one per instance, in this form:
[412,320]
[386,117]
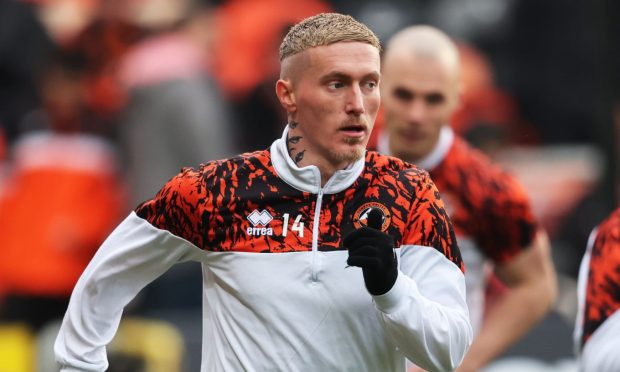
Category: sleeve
[598,322]
[175,208]
[425,313]
[600,353]
[136,253]
[582,281]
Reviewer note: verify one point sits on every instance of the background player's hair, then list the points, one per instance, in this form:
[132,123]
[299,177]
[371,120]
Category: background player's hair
[426,42]
[325,29]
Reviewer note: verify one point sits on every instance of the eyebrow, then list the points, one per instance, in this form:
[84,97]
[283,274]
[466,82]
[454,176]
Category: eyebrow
[337,75]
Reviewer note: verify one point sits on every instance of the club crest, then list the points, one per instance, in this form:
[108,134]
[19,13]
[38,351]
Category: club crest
[360,216]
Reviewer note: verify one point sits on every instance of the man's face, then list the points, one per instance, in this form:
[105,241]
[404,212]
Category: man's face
[336,94]
[419,95]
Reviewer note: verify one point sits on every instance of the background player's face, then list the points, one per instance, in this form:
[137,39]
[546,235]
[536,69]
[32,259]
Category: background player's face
[419,95]
[337,98]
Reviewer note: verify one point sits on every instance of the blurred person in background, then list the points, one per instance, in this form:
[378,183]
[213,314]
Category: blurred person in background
[63,196]
[89,58]
[597,328]
[493,220]
[32,31]
[175,115]
[275,230]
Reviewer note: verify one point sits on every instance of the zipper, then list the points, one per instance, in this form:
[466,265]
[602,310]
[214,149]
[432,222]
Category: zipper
[315,236]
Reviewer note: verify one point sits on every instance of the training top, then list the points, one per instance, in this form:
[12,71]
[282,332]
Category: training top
[597,328]
[492,216]
[277,292]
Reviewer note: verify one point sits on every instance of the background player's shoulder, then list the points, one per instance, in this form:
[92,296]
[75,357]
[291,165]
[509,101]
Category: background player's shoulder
[476,169]
[464,156]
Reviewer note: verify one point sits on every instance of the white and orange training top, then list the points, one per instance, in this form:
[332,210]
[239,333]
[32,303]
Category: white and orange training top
[278,294]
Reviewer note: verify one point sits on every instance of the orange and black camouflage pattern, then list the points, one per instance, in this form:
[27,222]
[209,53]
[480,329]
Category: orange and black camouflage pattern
[485,203]
[603,283]
[210,206]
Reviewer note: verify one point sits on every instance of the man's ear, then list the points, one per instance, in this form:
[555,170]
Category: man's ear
[284,91]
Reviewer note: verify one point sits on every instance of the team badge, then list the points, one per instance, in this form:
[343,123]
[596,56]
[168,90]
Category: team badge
[360,216]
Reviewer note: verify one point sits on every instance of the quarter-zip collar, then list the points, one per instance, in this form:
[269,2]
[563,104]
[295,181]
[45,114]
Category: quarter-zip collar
[308,178]
[434,158]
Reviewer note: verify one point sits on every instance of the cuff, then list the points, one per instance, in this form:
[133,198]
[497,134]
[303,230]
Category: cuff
[391,300]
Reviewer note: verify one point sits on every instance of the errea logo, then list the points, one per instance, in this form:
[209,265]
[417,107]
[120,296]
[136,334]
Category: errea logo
[258,219]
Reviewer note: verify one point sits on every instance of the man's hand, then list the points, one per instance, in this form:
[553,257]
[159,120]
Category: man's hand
[373,251]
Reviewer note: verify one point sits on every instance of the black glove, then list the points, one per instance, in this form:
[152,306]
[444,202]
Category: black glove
[373,251]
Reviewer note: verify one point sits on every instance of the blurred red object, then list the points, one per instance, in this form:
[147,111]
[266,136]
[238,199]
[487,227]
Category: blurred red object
[480,100]
[61,200]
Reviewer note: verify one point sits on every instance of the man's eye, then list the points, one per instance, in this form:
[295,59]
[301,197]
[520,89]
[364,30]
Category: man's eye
[371,85]
[335,85]
[435,99]
[402,94]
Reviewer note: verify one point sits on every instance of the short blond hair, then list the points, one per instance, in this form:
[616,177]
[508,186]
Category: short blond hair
[325,29]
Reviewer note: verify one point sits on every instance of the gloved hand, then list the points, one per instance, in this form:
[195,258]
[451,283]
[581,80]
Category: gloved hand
[373,251]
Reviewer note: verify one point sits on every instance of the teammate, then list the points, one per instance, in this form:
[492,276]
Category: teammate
[492,217]
[597,330]
[276,231]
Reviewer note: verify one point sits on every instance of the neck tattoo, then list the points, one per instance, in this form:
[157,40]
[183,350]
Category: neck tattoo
[293,141]
[299,156]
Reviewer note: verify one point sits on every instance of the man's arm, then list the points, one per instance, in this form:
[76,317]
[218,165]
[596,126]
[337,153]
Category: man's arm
[531,281]
[420,298]
[135,254]
[425,313]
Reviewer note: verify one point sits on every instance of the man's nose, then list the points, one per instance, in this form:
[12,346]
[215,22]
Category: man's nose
[416,111]
[355,101]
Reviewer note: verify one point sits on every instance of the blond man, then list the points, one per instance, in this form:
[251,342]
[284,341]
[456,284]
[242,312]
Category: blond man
[316,255]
